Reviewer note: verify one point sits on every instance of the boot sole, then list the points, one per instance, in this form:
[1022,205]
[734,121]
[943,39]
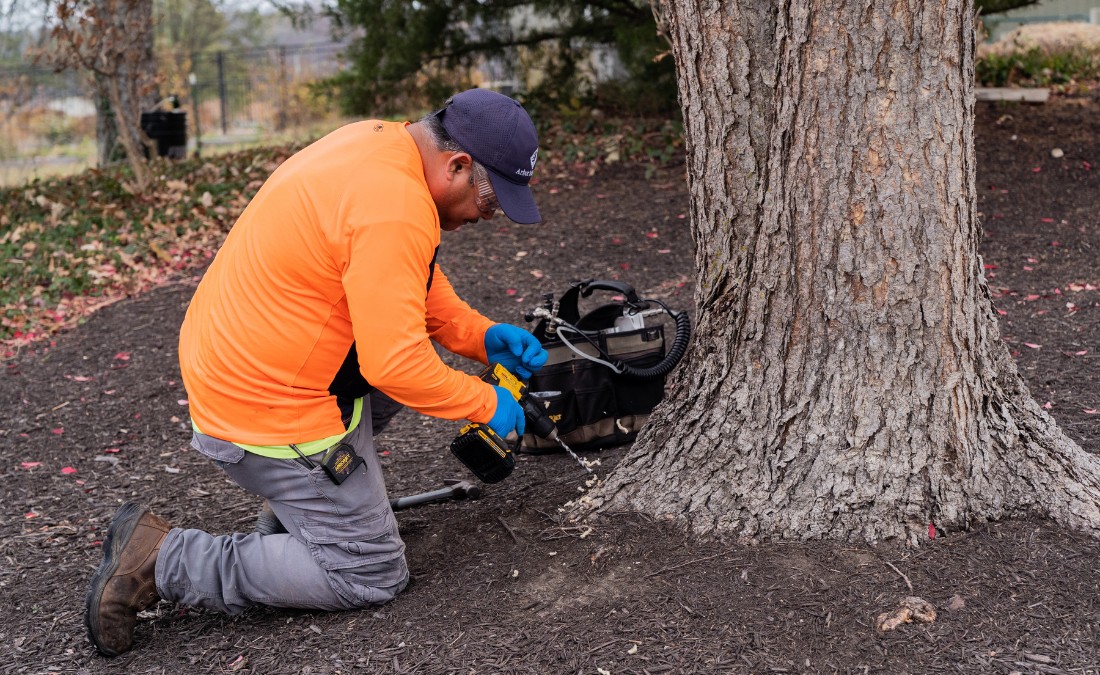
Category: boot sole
[118,534]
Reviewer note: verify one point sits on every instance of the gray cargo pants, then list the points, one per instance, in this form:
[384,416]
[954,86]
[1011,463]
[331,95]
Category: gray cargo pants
[342,550]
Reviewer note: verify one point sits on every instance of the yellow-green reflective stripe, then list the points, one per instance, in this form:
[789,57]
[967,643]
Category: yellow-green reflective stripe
[307,448]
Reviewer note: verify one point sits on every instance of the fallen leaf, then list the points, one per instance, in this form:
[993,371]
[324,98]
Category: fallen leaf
[68,470]
[30,465]
[57,432]
[122,356]
[510,291]
[1048,405]
[1033,345]
[1091,411]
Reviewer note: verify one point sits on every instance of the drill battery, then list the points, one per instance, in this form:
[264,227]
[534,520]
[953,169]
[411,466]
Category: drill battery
[484,452]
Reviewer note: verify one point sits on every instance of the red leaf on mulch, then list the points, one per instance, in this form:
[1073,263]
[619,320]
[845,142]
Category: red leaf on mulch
[1033,345]
[57,432]
[122,356]
[1092,411]
[79,378]
[67,470]
[30,465]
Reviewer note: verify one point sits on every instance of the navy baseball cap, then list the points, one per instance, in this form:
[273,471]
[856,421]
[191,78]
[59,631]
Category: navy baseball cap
[499,134]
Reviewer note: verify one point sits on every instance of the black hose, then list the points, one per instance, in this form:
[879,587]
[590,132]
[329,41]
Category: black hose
[675,353]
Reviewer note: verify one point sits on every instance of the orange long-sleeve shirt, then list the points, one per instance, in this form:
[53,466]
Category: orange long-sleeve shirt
[326,283]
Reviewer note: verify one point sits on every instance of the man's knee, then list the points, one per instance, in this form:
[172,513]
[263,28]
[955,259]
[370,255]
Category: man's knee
[372,584]
[364,558]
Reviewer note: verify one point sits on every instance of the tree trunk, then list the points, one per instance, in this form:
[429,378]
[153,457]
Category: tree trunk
[847,379]
[132,71]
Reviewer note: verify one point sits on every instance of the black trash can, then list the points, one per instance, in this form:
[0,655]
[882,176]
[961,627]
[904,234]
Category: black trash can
[169,130]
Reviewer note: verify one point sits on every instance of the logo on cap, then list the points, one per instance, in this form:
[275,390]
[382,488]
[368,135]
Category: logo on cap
[529,172]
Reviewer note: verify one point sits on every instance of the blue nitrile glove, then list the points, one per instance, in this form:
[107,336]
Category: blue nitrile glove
[515,349]
[509,414]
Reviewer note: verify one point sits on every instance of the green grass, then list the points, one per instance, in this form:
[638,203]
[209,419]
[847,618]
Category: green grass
[1036,68]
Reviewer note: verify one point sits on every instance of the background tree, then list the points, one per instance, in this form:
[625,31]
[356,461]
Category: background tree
[112,40]
[401,49]
[847,379]
[18,21]
[186,30]
[183,29]
[421,49]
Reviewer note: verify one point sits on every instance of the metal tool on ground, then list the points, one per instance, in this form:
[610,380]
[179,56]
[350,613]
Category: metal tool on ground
[456,489]
[490,457]
[268,523]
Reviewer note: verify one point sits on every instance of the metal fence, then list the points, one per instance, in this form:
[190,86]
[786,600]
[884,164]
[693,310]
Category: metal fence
[47,119]
[231,94]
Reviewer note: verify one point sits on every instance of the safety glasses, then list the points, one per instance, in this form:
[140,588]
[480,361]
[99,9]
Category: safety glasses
[485,198]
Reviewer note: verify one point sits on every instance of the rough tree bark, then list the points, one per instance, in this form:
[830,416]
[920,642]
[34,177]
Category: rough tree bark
[847,379]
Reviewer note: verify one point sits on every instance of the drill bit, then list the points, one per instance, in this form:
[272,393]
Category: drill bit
[571,453]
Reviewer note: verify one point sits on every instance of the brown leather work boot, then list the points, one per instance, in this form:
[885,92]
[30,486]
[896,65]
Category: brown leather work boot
[124,584]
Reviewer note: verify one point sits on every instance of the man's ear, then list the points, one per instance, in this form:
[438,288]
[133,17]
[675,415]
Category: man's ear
[459,164]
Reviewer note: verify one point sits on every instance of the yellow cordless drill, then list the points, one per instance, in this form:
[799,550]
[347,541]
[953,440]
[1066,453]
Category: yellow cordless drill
[490,457]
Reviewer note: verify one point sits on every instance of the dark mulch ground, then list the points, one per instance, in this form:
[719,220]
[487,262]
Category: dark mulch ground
[503,584]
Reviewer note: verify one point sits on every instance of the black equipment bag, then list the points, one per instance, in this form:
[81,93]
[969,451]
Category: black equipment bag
[603,398]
